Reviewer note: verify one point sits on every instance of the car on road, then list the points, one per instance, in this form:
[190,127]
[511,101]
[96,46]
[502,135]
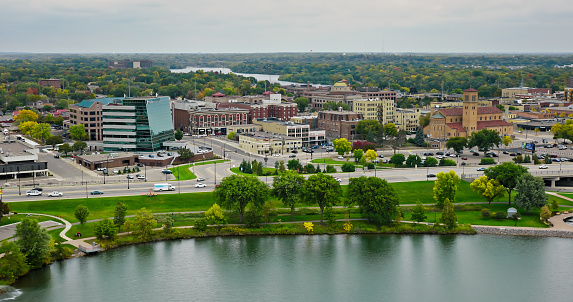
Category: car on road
[140,176]
[56,156]
[315,147]
[129,176]
[381,155]
[475,154]
[512,154]
[96,192]
[337,179]
[481,169]
[292,156]
[294,151]
[341,157]
[166,172]
[38,189]
[544,167]
[556,160]
[200,185]
[464,158]
[431,175]
[55,194]
[276,154]
[33,193]
[200,179]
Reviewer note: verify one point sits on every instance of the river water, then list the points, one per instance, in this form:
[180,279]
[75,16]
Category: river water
[272,78]
[315,268]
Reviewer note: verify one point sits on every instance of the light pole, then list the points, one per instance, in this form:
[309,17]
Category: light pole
[179,179]
[106,168]
[215,172]
[145,171]
[266,176]
[19,182]
[128,181]
[427,173]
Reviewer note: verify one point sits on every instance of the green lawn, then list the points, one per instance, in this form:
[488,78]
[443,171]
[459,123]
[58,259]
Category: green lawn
[562,201]
[185,170]
[411,192]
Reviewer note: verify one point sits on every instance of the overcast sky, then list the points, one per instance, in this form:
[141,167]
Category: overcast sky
[216,26]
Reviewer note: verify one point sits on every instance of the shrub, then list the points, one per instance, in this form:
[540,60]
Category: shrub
[253,219]
[518,159]
[201,225]
[527,159]
[330,169]
[487,161]
[347,167]
[431,162]
[330,216]
[370,165]
[500,215]
[485,213]
[447,162]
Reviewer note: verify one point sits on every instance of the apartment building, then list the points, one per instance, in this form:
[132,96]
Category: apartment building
[376,109]
[216,121]
[339,124]
[263,143]
[89,113]
[407,119]
[275,126]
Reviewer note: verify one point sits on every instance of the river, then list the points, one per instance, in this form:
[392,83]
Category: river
[272,78]
[314,268]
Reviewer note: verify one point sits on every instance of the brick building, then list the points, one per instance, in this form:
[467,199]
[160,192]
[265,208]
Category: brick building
[89,113]
[216,121]
[57,83]
[340,124]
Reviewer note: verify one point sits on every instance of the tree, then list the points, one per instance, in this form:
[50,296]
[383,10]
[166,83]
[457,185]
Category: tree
[105,229]
[13,264]
[287,187]
[445,187]
[54,140]
[59,120]
[489,189]
[78,132]
[215,215]
[119,215]
[358,155]
[419,139]
[4,209]
[368,127]
[185,154]
[431,162]
[484,139]
[449,217]
[301,103]
[376,198]
[81,213]
[457,143]
[231,135]
[418,212]
[397,159]
[347,167]
[321,189]
[178,134]
[293,164]
[371,155]
[531,192]
[342,146]
[545,213]
[506,140]
[79,146]
[33,241]
[424,120]
[41,131]
[235,192]
[25,116]
[413,160]
[507,175]
[65,147]
[143,223]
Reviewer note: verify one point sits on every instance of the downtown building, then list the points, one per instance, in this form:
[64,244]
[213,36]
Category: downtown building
[139,124]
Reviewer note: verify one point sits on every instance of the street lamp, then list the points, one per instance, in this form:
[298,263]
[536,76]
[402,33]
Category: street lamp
[19,182]
[106,168]
[266,176]
[145,171]
[215,172]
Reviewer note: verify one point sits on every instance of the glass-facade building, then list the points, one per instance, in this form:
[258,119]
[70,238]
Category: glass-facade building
[137,124]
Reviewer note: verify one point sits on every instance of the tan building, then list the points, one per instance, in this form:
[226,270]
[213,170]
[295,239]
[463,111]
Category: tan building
[291,129]
[376,109]
[89,113]
[463,121]
[267,144]
[568,94]
[407,119]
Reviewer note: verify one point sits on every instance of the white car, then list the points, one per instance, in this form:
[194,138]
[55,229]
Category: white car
[338,179]
[200,179]
[341,157]
[55,194]
[140,176]
[33,193]
[276,154]
[543,167]
[200,185]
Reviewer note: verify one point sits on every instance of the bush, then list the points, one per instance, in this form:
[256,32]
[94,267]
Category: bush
[411,140]
[329,215]
[253,219]
[347,167]
[518,159]
[330,169]
[527,159]
[201,225]
[370,165]
[431,162]
[487,161]
[500,215]
[485,213]
[447,162]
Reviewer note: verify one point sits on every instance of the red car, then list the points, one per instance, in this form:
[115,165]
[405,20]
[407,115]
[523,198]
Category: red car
[464,158]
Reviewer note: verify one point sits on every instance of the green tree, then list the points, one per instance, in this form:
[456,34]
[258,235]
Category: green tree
[301,103]
[424,120]
[231,135]
[33,241]
[78,132]
[321,189]
[287,187]
[545,213]
[79,146]
[397,159]
[507,175]
[371,155]
[419,139]
[490,189]
[294,164]
[54,140]
[59,120]
[449,217]
[484,139]
[119,215]
[376,198]
[81,213]
[358,153]
[13,264]
[507,140]
[105,229]
[41,131]
[368,127]
[418,212]
[185,154]
[342,146]
[457,143]
[235,192]
[215,215]
[346,167]
[143,223]
[445,187]
[178,134]
[66,148]
[531,192]
[27,127]
[431,162]
[413,160]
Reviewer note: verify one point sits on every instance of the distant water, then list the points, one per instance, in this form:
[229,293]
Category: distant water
[315,268]
[273,78]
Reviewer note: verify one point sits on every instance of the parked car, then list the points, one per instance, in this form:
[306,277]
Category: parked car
[381,156]
[56,156]
[544,167]
[129,176]
[512,154]
[292,156]
[140,176]
[505,152]
[200,179]
[33,193]
[166,172]
[55,194]
[341,157]
[294,151]
[464,158]
[96,192]
[480,169]
[476,154]
[200,185]
[315,147]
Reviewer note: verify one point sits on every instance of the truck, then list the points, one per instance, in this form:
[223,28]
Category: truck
[163,187]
